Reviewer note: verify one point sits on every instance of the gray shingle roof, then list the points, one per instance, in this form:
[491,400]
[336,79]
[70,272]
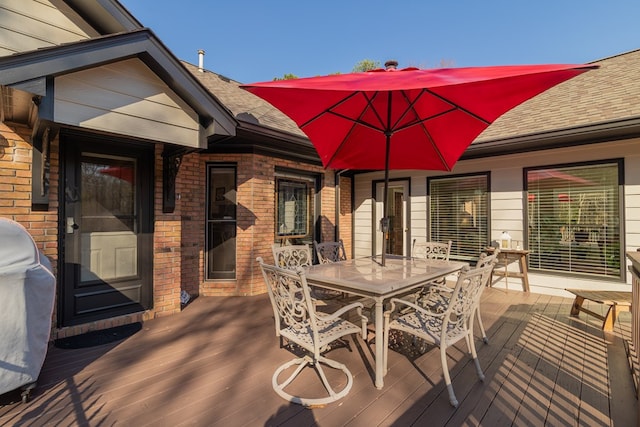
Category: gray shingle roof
[243,105]
[609,93]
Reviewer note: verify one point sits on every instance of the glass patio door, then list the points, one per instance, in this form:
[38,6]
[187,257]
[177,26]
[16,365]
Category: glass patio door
[397,238]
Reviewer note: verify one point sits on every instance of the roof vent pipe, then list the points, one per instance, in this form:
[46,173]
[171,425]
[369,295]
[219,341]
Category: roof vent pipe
[391,64]
[201,60]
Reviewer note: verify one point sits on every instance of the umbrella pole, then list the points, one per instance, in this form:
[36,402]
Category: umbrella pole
[384,222]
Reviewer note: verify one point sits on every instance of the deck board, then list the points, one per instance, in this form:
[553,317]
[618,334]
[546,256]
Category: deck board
[211,365]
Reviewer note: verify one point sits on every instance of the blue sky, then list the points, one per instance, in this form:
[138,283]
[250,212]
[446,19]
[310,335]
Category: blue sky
[252,40]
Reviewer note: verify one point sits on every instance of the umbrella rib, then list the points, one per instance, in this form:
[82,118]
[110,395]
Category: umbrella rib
[411,105]
[353,126]
[456,106]
[328,110]
[424,128]
[359,120]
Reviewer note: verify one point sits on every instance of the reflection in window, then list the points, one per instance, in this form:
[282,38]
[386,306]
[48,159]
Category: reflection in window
[108,196]
[573,216]
[293,208]
[458,211]
[221,222]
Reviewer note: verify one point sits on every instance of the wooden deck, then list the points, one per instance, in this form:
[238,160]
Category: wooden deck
[211,365]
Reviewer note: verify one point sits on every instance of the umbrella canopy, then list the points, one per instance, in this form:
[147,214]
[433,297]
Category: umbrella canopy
[405,118]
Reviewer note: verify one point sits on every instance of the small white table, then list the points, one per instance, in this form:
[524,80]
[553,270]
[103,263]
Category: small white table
[368,278]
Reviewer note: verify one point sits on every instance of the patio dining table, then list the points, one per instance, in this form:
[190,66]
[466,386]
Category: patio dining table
[368,278]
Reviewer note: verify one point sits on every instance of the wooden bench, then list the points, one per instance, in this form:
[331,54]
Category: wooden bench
[618,302]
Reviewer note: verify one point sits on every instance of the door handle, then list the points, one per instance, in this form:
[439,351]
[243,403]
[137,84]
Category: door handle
[71,225]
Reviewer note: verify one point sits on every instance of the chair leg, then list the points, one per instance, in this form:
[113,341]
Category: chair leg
[484,334]
[447,377]
[316,364]
[474,355]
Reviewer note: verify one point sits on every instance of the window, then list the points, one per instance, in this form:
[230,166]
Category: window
[293,209]
[573,218]
[458,211]
[221,222]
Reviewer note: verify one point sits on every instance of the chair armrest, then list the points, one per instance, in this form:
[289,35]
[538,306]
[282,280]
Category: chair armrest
[416,307]
[439,288]
[341,311]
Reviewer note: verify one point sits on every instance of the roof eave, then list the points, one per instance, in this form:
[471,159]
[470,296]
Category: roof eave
[579,135]
[16,70]
[106,16]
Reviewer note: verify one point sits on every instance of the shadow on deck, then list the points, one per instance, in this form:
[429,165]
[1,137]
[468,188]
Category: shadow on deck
[212,364]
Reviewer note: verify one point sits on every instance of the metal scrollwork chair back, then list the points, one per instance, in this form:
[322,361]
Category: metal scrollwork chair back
[297,322]
[444,324]
[330,251]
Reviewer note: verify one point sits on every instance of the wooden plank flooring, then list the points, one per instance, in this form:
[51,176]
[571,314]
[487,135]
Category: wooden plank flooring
[211,365]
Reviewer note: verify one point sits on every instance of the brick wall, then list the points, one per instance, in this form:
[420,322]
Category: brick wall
[256,217]
[179,237]
[15,188]
[167,255]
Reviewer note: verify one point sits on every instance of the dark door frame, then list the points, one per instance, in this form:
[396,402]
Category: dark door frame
[72,143]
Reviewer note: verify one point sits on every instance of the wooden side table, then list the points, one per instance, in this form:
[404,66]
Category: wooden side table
[508,256]
[618,301]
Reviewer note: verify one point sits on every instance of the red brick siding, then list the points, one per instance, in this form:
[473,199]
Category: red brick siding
[167,256]
[179,237]
[15,190]
[256,218]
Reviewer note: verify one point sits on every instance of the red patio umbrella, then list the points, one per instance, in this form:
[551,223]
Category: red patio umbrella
[405,119]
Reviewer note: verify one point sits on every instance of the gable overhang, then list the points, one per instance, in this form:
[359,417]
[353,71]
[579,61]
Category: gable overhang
[34,72]
[106,16]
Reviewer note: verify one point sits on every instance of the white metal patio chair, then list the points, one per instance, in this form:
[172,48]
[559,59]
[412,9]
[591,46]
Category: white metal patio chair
[330,251]
[294,256]
[428,250]
[297,322]
[291,256]
[445,324]
[484,261]
[431,250]
[438,294]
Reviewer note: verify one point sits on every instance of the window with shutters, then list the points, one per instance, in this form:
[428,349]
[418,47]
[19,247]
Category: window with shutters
[459,211]
[573,218]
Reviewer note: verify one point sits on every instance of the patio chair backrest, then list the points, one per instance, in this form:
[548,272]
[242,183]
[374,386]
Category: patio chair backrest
[290,297]
[291,256]
[431,250]
[328,252]
[485,259]
[465,298]
[297,323]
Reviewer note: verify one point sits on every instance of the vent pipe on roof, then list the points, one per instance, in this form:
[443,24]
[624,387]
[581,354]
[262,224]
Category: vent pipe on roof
[201,60]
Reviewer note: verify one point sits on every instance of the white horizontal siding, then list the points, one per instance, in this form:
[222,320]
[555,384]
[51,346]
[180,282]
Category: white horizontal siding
[362,245]
[27,25]
[507,208]
[126,98]
[418,209]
